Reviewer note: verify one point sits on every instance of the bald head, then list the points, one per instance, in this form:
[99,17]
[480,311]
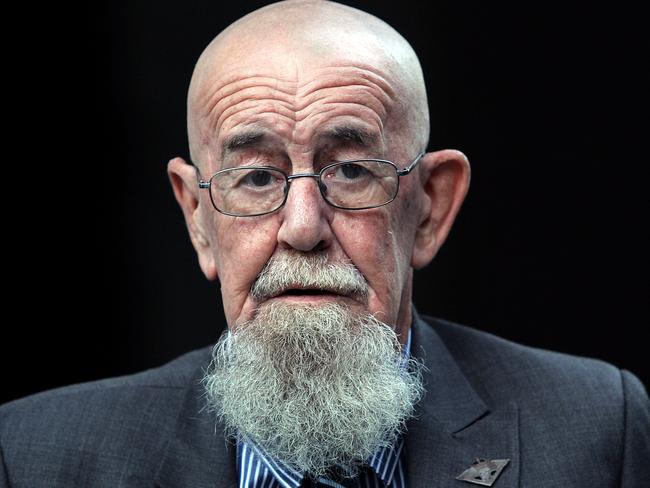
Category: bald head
[289,46]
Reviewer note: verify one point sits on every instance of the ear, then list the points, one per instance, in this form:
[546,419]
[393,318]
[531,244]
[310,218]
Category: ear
[183,178]
[444,176]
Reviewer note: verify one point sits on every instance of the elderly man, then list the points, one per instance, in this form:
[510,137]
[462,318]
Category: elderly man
[311,198]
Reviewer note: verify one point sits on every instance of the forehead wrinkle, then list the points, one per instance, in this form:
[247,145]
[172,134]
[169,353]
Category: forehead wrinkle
[359,73]
[351,95]
[351,89]
[336,106]
[241,95]
[231,83]
[241,89]
[348,82]
[338,87]
[258,106]
[328,108]
[207,107]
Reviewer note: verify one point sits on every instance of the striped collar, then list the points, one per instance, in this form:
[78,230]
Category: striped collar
[254,463]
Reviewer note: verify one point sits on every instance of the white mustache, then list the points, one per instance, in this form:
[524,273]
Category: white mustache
[296,270]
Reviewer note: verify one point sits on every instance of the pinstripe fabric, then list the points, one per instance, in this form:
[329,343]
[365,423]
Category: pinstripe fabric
[257,469]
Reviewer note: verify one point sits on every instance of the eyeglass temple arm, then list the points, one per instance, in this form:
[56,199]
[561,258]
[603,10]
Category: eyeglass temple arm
[199,178]
[409,168]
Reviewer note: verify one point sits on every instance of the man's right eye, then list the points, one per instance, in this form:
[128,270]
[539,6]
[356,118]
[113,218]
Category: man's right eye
[258,178]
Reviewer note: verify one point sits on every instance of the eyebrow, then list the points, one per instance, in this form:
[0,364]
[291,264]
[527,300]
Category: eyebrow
[348,134]
[351,134]
[242,140]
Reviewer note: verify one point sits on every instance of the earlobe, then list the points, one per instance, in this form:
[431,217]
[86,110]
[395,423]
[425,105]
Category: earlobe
[445,177]
[184,183]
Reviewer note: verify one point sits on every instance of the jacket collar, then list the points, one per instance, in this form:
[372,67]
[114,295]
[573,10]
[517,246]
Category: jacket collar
[453,426]
[198,455]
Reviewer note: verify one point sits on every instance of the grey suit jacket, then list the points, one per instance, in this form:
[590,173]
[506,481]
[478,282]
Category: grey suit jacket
[562,421]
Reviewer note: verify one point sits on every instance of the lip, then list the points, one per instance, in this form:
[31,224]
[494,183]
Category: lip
[307,297]
[315,298]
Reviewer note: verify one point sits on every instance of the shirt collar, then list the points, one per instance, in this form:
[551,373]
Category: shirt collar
[383,462]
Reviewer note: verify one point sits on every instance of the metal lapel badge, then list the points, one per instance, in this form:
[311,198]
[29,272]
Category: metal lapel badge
[483,472]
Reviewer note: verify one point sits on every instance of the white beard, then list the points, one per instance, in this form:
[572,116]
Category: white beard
[319,388]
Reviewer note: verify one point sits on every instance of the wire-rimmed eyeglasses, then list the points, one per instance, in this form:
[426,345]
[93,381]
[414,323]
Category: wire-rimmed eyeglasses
[358,184]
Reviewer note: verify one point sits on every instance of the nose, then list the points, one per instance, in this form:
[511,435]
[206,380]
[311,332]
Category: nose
[305,218]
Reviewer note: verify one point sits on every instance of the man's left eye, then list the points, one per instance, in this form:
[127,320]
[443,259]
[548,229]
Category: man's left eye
[351,171]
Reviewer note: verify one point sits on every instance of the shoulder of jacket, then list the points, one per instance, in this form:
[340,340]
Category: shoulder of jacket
[114,403]
[177,373]
[495,365]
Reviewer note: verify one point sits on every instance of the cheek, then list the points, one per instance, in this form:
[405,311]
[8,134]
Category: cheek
[370,240]
[241,249]
[403,227]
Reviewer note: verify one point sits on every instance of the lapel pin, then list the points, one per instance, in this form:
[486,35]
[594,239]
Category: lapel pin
[483,472]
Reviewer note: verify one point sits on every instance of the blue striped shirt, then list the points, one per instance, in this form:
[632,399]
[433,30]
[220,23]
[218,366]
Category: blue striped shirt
[257,469]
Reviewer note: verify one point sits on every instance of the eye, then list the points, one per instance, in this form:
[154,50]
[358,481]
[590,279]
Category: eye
[352,171]
[258,178]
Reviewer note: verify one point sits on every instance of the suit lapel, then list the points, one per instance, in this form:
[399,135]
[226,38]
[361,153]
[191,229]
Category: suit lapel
[453,426]
[198,454]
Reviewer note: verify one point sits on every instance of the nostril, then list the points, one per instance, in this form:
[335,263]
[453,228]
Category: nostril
[321,246]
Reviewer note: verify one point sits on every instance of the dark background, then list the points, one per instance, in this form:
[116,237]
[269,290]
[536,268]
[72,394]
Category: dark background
[550,248]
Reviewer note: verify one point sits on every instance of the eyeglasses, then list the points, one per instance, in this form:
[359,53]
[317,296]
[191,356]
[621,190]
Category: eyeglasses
[358,184]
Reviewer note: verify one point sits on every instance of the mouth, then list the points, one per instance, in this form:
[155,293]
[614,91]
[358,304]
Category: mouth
[307,291]
[309,294]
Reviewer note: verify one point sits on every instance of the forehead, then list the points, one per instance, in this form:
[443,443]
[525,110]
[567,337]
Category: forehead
[298,107]
[295,93]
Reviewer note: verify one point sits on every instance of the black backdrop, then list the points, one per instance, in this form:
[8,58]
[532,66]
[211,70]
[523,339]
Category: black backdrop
[549,249]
